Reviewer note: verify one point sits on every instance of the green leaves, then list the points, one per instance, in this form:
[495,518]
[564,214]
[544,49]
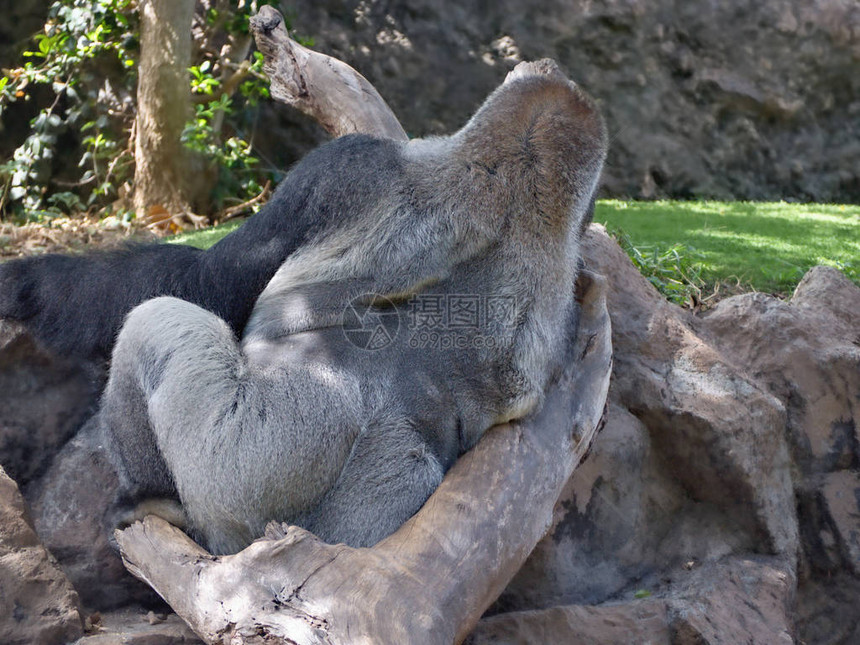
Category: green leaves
[202,81]
[239,177]
[78,39]
[675,270]
[86,55]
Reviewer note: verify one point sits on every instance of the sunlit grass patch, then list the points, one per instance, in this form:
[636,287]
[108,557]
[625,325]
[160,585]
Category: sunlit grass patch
[764,246]
[206,237]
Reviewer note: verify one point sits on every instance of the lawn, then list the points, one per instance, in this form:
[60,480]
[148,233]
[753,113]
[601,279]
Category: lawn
[689,247]
[205,238]
[765,246]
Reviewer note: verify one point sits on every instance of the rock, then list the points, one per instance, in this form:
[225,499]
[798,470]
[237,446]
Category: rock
[37,602]
[700,101]
[640,621]
[739,600]
[66,478]
[692,464]
[74,518]
[841,493]
[825,291]
[44,401]
[806,353]
[132,627]
[735,600]
[719,426]
[826,610]
[621,519]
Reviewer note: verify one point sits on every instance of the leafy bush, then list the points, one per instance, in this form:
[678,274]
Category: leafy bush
[80,42]
[86,59]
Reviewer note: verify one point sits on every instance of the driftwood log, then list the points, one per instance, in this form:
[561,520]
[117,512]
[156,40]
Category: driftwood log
[431,581]
[326,89]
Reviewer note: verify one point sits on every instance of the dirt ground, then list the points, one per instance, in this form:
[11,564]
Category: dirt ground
[67,234]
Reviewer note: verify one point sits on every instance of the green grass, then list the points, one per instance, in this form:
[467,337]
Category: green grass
[675,270]
[206,237]
[763,246]
[687,248]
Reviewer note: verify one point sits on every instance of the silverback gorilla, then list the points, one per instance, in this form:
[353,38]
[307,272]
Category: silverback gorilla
[299,422]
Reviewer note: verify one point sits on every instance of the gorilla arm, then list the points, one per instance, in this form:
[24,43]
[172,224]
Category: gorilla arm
[244,444]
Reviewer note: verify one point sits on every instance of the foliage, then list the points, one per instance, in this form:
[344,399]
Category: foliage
[81,70]
[81,40]
[206,237]
[763,246]
[673,269]
[232,158]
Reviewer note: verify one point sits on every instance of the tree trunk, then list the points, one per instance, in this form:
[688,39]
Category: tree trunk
[163,106]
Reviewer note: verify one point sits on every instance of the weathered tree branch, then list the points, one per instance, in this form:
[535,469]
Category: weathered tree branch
[430,581]
[329,90]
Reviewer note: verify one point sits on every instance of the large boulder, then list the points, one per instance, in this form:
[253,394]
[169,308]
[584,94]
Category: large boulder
[692,465]
[45,399]
[37,602]
[746,99]
[807,353]
[719,427]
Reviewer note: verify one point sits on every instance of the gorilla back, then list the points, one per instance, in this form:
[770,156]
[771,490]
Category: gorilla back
[308,421]
[76,304]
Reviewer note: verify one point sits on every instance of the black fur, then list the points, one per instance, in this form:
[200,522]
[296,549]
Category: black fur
[76,304]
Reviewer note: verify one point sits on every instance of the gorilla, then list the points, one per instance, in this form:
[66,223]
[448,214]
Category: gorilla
[428,298]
